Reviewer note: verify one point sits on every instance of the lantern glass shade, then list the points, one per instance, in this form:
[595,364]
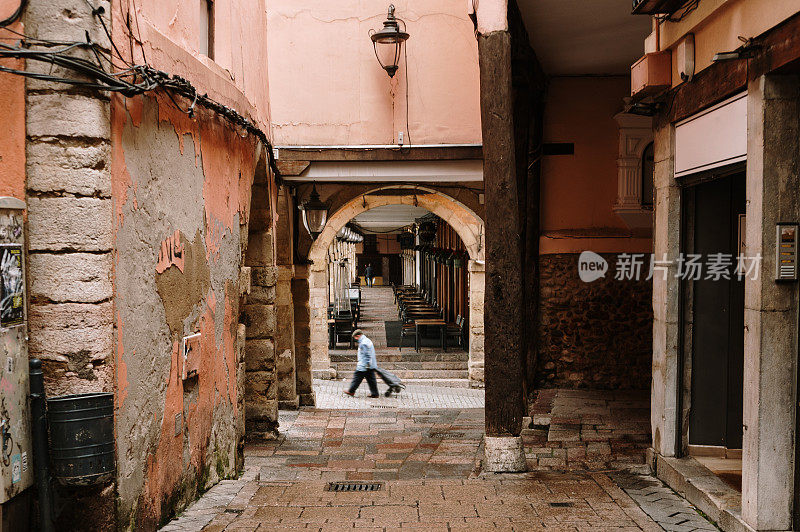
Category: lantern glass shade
[388,43]
[315,214]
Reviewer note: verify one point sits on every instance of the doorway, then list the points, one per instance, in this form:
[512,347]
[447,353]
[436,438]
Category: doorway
[713,319]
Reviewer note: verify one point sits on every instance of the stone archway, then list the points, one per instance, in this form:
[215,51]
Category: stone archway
[464,221]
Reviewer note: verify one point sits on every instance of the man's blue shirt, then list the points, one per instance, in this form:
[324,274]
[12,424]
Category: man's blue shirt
[366,354]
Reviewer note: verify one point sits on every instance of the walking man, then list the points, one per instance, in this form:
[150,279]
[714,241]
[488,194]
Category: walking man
[368,274]
[365,368]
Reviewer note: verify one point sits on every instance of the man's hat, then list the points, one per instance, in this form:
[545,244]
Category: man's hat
[357,332]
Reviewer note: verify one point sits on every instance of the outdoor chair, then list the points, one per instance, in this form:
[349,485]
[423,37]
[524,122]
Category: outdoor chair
[456,331]
[409,330]
[343,327]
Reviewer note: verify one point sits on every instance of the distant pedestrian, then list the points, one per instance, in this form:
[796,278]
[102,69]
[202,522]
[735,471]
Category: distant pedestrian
[365,368]
[368,274]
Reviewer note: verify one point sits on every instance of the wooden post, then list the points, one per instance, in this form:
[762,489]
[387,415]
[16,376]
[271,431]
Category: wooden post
[503,302]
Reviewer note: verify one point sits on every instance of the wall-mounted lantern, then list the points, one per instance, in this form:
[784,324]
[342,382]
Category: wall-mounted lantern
[427,232]
[315,214]
[388,42]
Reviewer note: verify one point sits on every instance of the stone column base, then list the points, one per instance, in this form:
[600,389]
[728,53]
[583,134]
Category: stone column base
[289,404]
[308,399]
[326,374]
[504,454]
[476,372]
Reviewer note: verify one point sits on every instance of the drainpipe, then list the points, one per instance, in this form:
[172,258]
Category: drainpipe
[41,456]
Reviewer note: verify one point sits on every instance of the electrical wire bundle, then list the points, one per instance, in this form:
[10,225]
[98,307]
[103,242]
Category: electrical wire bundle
[104,73]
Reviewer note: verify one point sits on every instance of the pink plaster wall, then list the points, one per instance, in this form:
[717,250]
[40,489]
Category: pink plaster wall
[578,191]
[178,179]
[12,109]
[169,29]
[327,87]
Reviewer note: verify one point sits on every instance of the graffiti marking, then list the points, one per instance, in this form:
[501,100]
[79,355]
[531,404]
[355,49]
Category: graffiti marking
[171,253]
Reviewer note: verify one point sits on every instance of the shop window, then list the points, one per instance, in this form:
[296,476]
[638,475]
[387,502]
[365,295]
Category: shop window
[206,30]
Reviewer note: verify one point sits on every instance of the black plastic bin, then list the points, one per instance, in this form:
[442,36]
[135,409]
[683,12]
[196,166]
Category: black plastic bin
[82,438]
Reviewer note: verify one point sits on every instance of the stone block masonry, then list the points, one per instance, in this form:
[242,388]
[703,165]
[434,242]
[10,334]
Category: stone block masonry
[260,317]
[592,335]
[69,224]
[69,217]
[261,387]
[302,338]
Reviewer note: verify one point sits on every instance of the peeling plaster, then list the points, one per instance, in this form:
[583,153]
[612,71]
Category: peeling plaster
[174,176]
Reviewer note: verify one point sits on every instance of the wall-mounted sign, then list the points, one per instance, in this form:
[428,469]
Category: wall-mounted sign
[12,286]
[786,252]
[712,138]
[190,348]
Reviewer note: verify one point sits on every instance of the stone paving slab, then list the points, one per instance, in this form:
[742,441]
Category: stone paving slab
[663,505]
[427,463]
[554,501]
[334,445]
[588,430]
[330,395]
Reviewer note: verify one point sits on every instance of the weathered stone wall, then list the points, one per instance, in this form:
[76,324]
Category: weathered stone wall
[592,335]
[69,214]
[284,303]
[302,336]
[181,190]
[260,318]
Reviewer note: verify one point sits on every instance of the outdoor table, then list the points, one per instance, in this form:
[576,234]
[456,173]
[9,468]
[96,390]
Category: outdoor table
[421,308]
[410,299]
[424,316]
[431,323]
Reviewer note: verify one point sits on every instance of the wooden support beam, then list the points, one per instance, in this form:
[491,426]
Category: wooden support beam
[413,153]
[503,300]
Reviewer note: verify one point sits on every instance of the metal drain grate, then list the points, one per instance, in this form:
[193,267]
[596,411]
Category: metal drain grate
[561,504]
[354,486]
[380,406]
[447,435]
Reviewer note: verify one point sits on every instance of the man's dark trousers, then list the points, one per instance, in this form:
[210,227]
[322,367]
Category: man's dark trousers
[358,376]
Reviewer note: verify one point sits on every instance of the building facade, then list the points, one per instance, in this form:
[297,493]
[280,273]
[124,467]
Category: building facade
[725,353]
[163,151]
[149,215]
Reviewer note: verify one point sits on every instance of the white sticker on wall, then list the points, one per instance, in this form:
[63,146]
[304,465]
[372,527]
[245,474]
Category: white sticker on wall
[16,469]
[24,462]
[10,364]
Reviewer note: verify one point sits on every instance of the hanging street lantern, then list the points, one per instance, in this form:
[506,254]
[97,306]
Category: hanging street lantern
[427,232]
[388,42]
[315,214]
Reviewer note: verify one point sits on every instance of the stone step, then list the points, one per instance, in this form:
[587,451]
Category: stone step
[458,356]
[392,366]
[445,383]
[405,374]
[436,383]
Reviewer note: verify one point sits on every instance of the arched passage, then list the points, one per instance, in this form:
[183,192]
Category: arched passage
[464,221]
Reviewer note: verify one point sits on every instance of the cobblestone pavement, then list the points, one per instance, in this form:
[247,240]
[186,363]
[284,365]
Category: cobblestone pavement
[425,463]
[330,395]
[663,505]
[588,430]
[334,445]
[534,501]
